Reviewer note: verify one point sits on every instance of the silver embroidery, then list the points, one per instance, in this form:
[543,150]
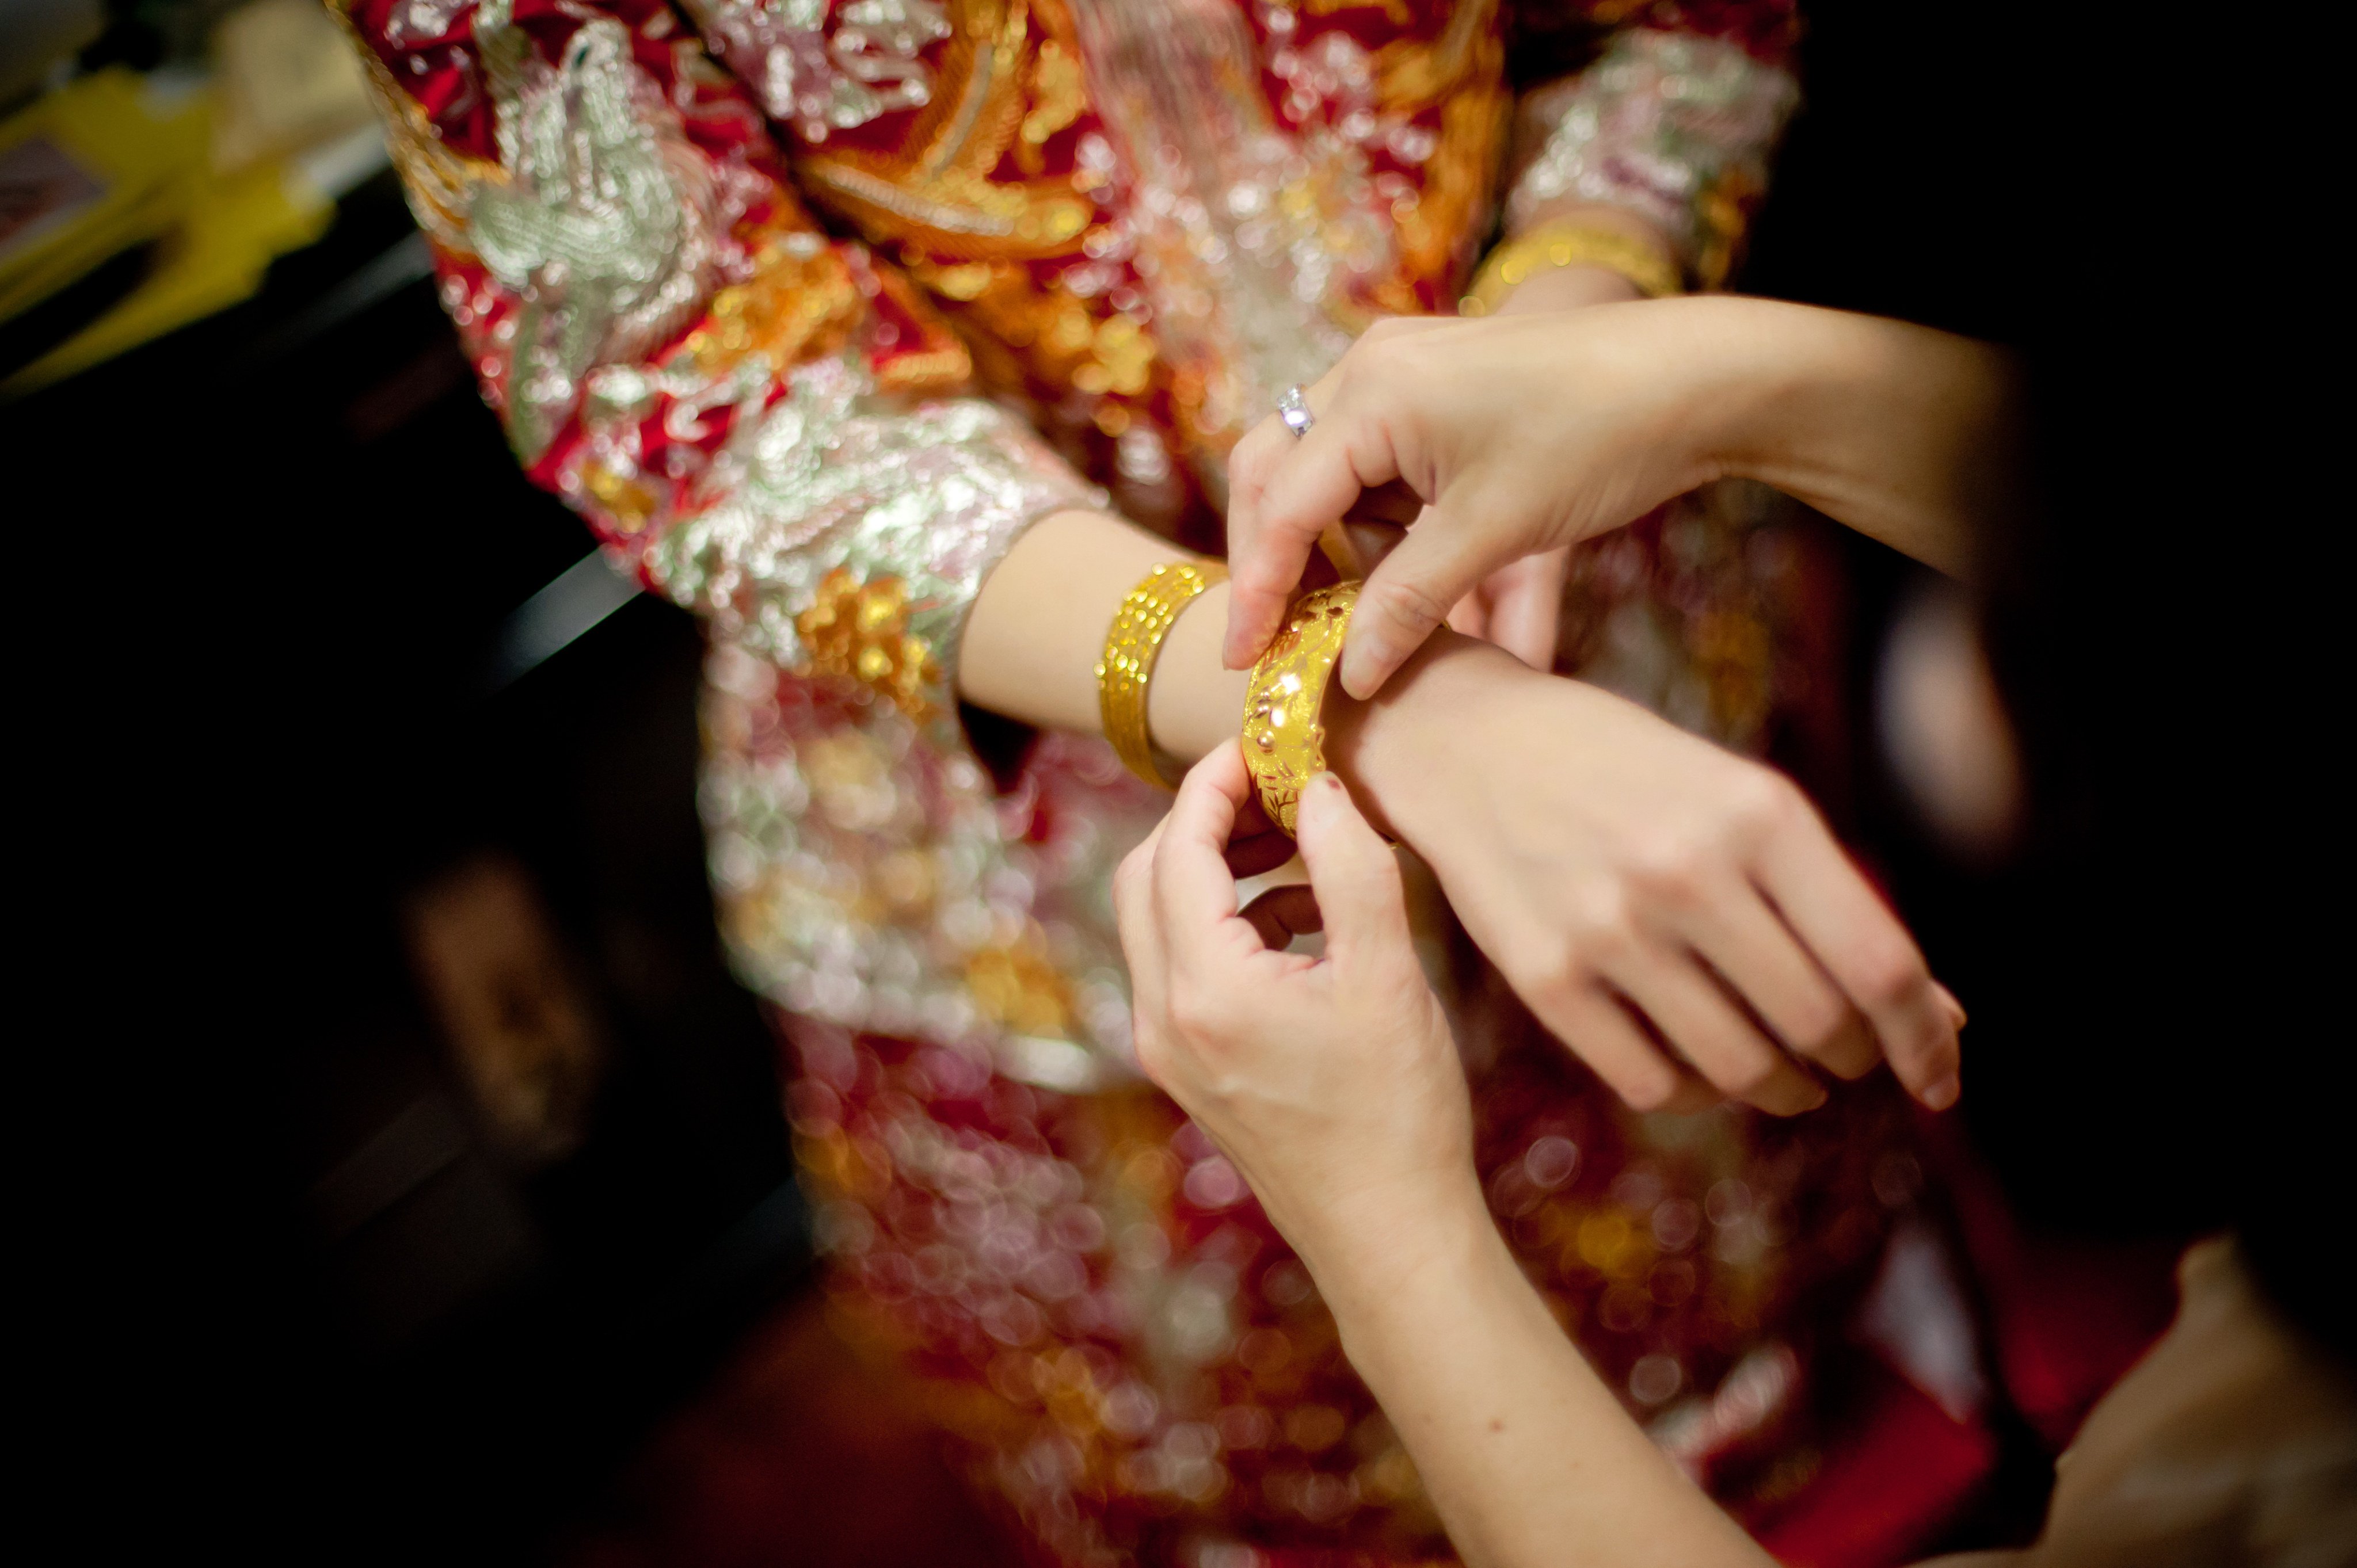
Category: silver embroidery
[831,476]
[1651,125]
[604,228]
[818,85]
[417,22]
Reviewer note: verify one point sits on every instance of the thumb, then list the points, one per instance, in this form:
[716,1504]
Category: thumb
[1355,876]
[1411,592]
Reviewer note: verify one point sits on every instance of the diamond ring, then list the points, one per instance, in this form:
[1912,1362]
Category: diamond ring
[1294,409]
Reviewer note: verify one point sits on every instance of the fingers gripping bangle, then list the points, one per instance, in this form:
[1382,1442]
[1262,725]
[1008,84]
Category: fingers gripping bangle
[1284,735]
[1125,672]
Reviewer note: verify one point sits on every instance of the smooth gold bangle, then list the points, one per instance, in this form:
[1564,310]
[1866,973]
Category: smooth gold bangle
[1551,246]
[1284,737]
[1132,644]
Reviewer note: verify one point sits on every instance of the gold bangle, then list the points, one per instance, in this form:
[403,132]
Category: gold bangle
[1284,737]
[1551,246]
[1132,644]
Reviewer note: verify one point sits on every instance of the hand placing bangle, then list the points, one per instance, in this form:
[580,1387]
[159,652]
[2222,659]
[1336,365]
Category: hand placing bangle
[1332,1083]
[1532,433]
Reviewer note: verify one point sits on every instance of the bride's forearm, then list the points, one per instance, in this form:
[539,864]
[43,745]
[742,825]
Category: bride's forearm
[1033,639]
[1032,643]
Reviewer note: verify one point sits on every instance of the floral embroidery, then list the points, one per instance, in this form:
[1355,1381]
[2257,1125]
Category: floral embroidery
[858,632]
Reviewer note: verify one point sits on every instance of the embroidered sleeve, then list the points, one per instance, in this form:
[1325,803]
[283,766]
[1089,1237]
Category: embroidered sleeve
[1673,121]
[766,423]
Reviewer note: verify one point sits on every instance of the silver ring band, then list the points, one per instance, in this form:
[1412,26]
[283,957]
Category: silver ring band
[1294,409]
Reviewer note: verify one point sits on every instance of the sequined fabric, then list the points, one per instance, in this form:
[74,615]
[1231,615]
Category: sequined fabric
[1134,1362]
[1672,127]
[809,307]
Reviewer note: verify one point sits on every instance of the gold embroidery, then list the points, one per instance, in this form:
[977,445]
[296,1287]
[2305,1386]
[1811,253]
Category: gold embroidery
[1018,988]
[1394,11]
[1412,74]
[1463,71]
[858,632]
[957,215]
[631,504]
[798,304]
[1066,342]
[1124,358]
[1058,97]
[943,197]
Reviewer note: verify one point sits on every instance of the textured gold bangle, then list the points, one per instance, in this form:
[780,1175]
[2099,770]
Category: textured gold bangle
[1132,644]
[1551,246]
[1285,738]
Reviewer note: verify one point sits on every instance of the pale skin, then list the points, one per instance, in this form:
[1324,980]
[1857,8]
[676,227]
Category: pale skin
[1332,1084]
[1335,1087]
[1527,435]
[1679,916]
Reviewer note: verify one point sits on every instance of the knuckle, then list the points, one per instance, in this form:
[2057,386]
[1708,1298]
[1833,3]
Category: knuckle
[1129,878]
[1649,1088]
[1748,1075]
[1889,971]
[1816,1024]
[1153,1049]
[1546,970]
[1761,803]
[1603,919]
[1409,602]
[1673,872]
[1198,1014]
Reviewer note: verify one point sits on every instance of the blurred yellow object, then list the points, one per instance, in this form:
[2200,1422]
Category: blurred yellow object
[224,175]
[215,257]
[104,163]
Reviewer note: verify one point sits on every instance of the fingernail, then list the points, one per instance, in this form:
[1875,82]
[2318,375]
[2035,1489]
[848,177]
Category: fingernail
[1321,795]
[1942,1094]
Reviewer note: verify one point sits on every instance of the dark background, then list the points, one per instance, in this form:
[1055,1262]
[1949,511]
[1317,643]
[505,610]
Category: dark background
[265,566]
[272,556]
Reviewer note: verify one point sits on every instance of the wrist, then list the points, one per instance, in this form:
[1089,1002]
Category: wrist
[1400,750]
[1382,1270]
[1568,289]
[1194,703]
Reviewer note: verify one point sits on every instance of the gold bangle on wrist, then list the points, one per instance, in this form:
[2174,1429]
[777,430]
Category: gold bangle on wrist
[1551,246]
[1127,669]
[1283,734]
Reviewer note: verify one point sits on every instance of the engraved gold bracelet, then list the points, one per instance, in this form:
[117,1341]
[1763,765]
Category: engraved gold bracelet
[1132,644]
[1551,246]
[1285,735]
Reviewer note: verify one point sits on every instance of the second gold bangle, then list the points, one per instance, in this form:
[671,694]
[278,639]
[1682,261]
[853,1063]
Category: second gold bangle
[1125,672]
[1556,245]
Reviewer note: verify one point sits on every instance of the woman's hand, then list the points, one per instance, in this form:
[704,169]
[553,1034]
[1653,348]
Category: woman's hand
[1521,434]
[1334,1087]
[1518,606]
[1332,1083]
[1666,908]
[1524,433]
